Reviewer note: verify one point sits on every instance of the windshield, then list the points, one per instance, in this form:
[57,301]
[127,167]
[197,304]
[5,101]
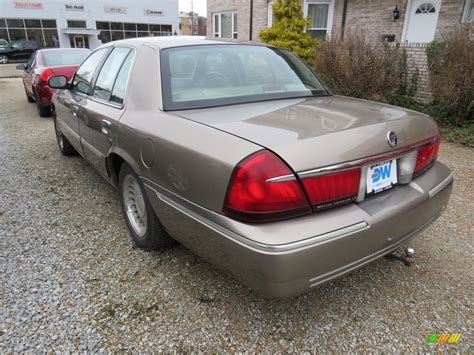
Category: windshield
[56,57]
[215,75]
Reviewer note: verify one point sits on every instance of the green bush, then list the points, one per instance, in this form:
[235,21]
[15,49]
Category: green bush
[288,30]
[451,64]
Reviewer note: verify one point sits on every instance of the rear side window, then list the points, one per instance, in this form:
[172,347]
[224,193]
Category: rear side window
[108,73]
[120,86]
[82,79]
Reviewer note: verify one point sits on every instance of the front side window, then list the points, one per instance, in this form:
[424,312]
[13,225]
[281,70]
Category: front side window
[216,75]
[318,14]
[225,25]
[108,73]
[82,79]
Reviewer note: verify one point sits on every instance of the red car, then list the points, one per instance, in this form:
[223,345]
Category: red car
[44,63]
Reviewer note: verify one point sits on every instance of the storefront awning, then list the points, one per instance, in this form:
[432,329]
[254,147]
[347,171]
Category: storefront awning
[80,31]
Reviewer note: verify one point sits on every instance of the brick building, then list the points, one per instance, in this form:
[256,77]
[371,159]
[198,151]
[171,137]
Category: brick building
[418,21]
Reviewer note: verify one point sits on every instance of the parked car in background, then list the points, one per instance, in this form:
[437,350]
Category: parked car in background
[41,65]
[239,152]
[17,50]
[3,43]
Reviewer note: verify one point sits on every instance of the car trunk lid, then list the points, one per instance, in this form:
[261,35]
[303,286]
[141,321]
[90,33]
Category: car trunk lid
[310,133]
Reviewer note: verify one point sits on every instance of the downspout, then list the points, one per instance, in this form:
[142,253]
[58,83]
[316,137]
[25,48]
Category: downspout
[343,25]
[251,20]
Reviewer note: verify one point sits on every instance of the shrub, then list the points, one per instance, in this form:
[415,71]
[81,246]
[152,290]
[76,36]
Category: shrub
[353,66]
[288,30]
[451,64]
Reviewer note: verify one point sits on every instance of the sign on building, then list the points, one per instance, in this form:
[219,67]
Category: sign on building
[153,12]
[36,5]
[74,7]
[115,9]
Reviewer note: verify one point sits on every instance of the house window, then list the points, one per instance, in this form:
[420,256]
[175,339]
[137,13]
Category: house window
[76,24]
[320,15]
[225,25]
[468,15]
[425,8]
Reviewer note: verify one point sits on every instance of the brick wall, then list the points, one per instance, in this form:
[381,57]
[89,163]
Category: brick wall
[417,59]
[450,15]
[372,17]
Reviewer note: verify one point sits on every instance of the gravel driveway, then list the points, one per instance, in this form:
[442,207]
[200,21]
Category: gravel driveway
[72,280]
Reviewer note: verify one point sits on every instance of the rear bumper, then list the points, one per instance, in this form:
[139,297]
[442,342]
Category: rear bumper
[326,244]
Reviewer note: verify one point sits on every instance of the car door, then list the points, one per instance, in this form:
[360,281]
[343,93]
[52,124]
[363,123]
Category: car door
[29,73]
[98,124]
[70,103]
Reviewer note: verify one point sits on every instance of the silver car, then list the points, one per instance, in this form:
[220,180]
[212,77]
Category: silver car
[239,152]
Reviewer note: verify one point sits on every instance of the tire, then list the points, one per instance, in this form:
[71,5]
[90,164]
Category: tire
[63,144]
[43,111]
[144,227]
[29,98]
[4,59]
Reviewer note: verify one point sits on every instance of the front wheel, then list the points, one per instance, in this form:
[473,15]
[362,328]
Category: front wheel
[145,228]
[4,59]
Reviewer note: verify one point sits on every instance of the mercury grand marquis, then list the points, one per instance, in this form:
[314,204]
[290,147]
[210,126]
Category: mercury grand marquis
[241,153]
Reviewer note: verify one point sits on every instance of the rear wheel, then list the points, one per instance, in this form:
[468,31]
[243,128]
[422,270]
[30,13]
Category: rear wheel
[43,111]
[64,146]
[145,228]
[3,59]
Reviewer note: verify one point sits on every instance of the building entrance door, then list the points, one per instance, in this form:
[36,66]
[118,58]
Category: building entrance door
[79,42]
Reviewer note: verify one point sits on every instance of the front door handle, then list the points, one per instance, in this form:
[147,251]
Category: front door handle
[105,127]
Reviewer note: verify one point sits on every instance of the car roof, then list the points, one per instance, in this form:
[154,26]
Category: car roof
[176,41]
[63,49]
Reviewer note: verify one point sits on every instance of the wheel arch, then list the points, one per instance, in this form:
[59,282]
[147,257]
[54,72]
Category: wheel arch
[115,158]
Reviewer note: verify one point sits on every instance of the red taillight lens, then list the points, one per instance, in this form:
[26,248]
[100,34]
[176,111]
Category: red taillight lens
[426,155]
[328,190]
[45,74]
[252,196]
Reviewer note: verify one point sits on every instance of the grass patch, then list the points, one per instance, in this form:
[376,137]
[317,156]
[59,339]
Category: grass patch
[461,134]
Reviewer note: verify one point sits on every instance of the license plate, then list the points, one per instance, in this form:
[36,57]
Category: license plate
[381,176]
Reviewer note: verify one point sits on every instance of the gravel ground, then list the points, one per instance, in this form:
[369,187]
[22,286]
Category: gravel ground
[71,279]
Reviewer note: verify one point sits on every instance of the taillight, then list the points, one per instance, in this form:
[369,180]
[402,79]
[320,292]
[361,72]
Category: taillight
[45,74]
[263,188]
[426,155]
[332,189]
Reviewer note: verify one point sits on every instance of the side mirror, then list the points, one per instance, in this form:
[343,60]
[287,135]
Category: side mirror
[57,82]
[21,66]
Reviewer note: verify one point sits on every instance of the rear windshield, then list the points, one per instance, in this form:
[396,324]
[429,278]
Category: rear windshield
[215,75]
[64,57]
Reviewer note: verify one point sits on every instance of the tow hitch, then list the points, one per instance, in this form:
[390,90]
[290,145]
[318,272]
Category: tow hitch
[402,255]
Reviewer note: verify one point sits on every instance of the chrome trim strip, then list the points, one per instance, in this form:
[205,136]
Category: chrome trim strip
[288,177]
[435,190]
[359,162]
[270,248]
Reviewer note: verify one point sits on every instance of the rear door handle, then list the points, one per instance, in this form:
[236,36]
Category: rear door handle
[105,127]
[74,110]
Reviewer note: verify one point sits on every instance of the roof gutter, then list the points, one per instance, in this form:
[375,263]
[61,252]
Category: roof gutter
[343,24]
[251,20]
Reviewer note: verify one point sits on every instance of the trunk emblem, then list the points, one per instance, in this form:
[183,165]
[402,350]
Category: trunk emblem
[392,138]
